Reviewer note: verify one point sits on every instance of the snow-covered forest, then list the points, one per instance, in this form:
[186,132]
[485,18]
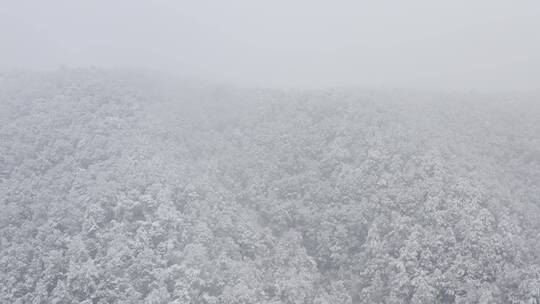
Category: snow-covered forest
[130,187]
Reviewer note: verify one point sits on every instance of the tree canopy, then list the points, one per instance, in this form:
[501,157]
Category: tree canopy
[123,187]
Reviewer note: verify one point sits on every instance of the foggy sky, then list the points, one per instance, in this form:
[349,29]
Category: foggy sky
[419,44]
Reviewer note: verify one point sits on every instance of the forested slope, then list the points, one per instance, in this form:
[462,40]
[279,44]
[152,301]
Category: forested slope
[126,187]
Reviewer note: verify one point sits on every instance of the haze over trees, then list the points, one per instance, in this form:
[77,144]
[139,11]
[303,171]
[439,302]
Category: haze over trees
[129,187]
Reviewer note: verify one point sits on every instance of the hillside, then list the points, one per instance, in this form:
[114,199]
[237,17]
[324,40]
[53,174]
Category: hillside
[130,187]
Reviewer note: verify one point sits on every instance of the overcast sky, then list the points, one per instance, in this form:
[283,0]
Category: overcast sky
[420,44]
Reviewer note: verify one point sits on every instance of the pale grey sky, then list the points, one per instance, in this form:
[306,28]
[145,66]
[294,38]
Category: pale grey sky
[421,44]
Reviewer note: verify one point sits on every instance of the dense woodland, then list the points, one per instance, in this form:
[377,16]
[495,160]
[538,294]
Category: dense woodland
[129,187]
